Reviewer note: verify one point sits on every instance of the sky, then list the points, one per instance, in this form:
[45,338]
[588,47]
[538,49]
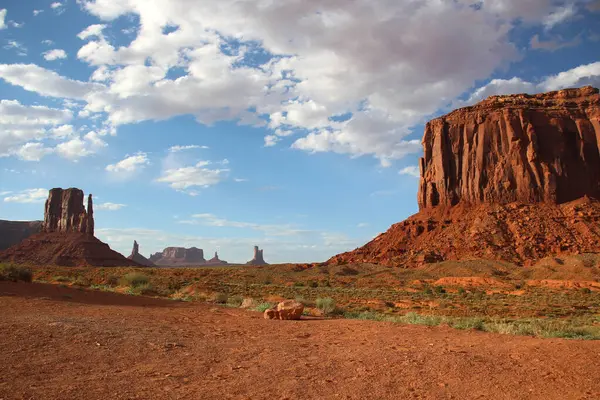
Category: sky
[292,125]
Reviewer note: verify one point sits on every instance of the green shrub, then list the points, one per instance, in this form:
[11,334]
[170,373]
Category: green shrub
[263,306]
[220,298]
[134,279]
[15,273]
[326,305]
[235,301]
[313,284]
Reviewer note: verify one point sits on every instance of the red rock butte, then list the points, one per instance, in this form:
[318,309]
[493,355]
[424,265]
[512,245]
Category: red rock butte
[66,237]
[512,178]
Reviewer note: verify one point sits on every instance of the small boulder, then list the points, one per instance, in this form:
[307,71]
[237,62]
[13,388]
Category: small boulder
[286,310]
[248,302]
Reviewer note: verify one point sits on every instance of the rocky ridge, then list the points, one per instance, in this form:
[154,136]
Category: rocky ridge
[13,232]
[513,178]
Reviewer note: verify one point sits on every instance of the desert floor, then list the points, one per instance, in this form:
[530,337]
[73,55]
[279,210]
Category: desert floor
[61,342]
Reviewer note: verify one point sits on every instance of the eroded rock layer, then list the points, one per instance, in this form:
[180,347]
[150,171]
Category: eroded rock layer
[516,232]
[518,148]
[513,178]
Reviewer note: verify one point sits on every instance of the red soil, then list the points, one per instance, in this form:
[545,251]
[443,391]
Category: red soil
[62,343]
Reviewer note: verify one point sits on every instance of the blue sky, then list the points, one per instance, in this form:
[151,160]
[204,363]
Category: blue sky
[291,125]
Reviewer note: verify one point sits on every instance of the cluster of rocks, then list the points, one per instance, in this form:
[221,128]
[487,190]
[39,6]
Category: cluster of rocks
[513,178]
[66,237]
[286,310]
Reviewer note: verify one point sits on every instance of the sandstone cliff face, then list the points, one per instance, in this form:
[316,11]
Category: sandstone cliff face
[518,148]
[13,232]
[513,178]
[64,212]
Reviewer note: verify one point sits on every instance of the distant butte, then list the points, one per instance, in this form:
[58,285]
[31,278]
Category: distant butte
[66,237]
[513,178]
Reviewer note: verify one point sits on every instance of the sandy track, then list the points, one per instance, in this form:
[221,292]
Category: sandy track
[63,343]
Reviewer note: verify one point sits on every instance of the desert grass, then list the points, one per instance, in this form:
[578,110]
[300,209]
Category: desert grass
[9,272]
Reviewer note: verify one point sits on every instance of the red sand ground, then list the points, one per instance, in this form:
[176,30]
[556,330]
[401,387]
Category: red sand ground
[62,343]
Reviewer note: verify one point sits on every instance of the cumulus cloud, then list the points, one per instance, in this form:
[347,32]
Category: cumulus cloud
[91,31]
[37,12]
[583,75]
[553,44]
[198,175]
[130,164]
[109,206]
[80,147]
[28,196]
[3,18]
[45,82]
[412,170]
[21,124]
[176,149]
[208,219]
[32,151]
[54,54]
[346,77]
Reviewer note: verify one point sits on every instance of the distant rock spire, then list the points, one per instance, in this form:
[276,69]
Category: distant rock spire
[258,257]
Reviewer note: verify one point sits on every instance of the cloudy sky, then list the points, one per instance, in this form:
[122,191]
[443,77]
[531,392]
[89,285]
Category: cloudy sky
[294,125]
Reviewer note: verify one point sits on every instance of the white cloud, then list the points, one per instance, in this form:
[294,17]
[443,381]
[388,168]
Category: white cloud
[47,42]
[91,31]
[16,24]
[385,82]
[175,149]
[54,54]
[411,171]
[583,75]
[37,12]
[28,196]
[208,219]
[2,18]
[56,5]
[45,82]
[240,180]
[553,44]
[32,151]
[362,225]
[335,87]
[560,15]
[193,176]
[79,147]
[17,46]
[130,164]
[62,131]
[109,206]
[21,124]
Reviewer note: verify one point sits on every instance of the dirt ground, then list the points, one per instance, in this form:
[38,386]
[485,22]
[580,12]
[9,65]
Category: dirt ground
[65,343]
